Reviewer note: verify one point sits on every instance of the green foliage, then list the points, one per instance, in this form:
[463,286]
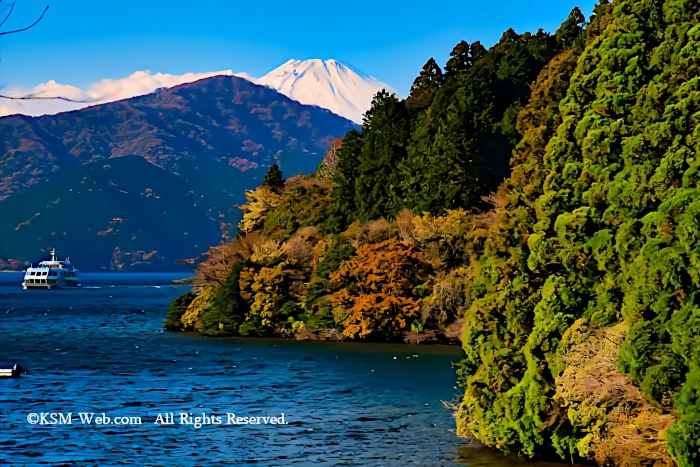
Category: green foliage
[506,290]
[175,311]
[460,60]
[684,435]
[250,329]
[571,32]
[338,251]
[227,308]
[383,146]
[273,178]
[448,144]
[425,86]
[306,203]
[607,200]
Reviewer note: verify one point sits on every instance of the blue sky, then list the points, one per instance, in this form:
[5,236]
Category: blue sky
[82,41]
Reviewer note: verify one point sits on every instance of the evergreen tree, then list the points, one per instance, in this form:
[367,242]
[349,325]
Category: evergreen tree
[571,31]
[273,178]
[176,310]
[384,146]
[477,51]
[344,205]
[366,176]
[227,309]
[460,60]
[460,146]
[425,86]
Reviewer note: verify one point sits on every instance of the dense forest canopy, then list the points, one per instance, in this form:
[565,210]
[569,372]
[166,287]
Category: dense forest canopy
[538,200]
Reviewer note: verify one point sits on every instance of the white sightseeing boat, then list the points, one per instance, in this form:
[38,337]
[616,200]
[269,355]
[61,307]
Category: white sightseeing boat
[53,274]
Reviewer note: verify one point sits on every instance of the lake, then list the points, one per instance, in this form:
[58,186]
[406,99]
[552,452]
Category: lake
[101,349]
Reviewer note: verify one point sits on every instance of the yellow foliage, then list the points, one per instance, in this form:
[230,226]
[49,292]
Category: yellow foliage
[261,201]
[191,319]
[265,289]
[266,252]
[444,239]
[456,223]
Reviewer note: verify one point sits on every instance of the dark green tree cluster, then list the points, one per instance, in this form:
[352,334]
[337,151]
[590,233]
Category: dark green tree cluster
[273,178]
[448,144]
[176,309]
[227,308]
[318,309]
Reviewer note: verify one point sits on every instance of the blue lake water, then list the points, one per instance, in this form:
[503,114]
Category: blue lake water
[101,349]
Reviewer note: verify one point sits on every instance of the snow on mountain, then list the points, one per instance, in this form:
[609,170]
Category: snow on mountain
[329,84]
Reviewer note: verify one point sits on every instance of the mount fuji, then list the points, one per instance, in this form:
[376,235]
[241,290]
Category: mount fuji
[328,84]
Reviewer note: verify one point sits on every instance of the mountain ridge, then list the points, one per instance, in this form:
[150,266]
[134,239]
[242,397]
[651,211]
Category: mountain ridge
[217,136]
[54,98]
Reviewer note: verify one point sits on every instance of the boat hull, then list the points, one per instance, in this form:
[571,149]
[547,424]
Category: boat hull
[47,286]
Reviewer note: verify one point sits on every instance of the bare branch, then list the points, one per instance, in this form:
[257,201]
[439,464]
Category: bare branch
[12,7]
[28,27]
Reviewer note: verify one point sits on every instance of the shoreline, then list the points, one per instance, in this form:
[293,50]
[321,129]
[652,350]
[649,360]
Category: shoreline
[368,345]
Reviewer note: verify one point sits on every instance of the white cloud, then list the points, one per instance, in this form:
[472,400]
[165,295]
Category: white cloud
[106,90]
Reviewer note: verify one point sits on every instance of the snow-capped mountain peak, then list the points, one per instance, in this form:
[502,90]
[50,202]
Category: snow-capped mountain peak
[329,84]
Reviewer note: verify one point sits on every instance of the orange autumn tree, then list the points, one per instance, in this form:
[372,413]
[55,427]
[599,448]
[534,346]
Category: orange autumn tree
[378,289]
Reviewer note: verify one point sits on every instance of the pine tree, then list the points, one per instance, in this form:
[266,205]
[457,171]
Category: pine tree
[366,176]
[227,310]
[425,86]
[477,51]
[385,138]
[273,178]
[344,205]
[460,61]
[571,31]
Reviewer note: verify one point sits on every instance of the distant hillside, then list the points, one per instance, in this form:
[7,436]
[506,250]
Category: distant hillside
[124,211]
[213,139]
[225,118]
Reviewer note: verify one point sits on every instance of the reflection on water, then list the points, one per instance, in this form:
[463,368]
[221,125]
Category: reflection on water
[101,349]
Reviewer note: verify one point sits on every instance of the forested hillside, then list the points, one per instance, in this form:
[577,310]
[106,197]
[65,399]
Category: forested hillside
[217,136]
[538,200]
